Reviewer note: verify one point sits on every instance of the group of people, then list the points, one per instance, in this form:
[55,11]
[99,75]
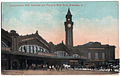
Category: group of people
[102,67]
[46,67]
[60,67]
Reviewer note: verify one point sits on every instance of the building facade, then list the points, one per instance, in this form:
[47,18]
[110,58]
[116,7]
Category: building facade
[96,53]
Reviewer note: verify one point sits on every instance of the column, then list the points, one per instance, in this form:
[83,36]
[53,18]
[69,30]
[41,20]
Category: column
[11,64]
[26,65]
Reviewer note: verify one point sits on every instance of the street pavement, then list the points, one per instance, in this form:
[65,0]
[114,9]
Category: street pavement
[53,72]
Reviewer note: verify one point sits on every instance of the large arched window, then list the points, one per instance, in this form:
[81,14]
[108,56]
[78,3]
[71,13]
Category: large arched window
[32,49]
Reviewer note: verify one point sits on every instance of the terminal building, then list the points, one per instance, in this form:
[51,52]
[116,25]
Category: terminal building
[20,52]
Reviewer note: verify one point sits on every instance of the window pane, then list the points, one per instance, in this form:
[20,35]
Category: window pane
[89,55]
[103,55]
[96,55]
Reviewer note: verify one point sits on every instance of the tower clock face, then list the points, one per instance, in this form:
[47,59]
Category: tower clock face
[68,19]
[69,25]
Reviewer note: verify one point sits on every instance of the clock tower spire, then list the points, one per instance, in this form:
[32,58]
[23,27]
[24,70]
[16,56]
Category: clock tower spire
[69,29]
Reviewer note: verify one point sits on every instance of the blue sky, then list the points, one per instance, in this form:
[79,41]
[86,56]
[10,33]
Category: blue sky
[89,10]
[94,21]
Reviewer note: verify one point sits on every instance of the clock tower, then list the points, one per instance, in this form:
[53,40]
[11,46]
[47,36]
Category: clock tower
[69,30]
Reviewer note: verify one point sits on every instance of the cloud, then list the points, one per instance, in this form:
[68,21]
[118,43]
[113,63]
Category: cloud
[35,18]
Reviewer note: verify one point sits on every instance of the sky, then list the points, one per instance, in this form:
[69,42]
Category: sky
[93,21]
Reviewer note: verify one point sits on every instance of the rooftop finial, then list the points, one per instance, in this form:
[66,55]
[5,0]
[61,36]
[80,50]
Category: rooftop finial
[68,13]
[36,31]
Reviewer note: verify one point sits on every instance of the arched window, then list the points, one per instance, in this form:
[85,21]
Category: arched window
[32,49]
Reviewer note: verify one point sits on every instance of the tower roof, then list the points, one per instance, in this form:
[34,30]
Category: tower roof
[69,13]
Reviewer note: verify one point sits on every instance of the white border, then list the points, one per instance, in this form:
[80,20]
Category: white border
[54,1]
